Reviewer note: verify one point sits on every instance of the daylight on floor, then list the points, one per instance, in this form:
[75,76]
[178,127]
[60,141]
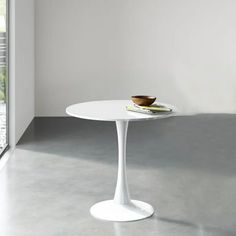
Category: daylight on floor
[2,74]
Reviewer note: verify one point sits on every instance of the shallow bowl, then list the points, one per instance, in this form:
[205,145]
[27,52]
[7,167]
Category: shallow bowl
[143,100]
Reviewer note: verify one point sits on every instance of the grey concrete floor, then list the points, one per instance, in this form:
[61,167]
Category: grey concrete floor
[184,166]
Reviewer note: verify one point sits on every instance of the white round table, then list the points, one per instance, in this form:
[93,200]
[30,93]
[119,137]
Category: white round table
[121,208]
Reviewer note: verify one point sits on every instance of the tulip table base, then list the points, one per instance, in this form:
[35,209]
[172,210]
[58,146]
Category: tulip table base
[121,208]
[112,211]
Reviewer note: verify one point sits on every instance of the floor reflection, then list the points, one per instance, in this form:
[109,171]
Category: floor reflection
[164,226]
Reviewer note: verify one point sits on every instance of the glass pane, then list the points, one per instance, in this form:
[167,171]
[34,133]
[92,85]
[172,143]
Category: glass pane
[3,75]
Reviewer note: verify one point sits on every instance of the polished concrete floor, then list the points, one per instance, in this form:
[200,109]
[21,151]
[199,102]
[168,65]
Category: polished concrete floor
[184,166]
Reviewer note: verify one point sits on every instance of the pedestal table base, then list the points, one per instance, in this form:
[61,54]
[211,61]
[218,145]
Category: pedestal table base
[122,208]
[110,210]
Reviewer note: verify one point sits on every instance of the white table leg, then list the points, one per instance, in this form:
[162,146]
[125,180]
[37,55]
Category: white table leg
[122,208]
[122,191]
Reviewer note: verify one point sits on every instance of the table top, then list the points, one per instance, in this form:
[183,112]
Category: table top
[112,110]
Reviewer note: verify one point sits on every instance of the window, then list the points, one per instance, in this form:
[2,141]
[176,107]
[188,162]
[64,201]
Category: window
[3,75]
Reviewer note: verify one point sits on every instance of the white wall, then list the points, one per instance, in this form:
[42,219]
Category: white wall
[184,52]
[22,73]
